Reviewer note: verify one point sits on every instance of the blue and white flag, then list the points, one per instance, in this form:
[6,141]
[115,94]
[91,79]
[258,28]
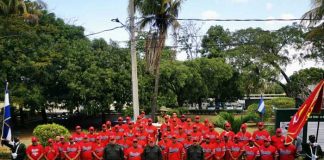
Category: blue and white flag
[6,129]
[261,107]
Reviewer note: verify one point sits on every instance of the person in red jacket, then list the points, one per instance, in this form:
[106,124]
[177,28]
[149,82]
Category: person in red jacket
[72,150]
[86,149]
[104,135]
[78,134]
[143,135]
[150,129]
[175,150]
[91,135]
[260,135]
[34,151]
[228,131]
[244,135]
[62,148]
[287,152]
[208,148]
[51,151]
[197,123]
[235,149]
[163,144]
[267,151]
[108,125]
[130,131]
[188,126]
[181,135]
[120,125]
[98,149]
[220,149]
[278,139]
[134,152]
[251,152]
[211,133]
[196,134]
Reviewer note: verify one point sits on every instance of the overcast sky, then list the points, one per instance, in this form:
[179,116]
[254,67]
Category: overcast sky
[96,15]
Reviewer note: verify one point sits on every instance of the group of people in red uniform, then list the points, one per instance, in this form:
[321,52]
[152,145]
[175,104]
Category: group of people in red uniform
[177,134]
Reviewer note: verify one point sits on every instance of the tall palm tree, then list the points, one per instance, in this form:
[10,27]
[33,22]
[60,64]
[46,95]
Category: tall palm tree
[159,16]
[316,14]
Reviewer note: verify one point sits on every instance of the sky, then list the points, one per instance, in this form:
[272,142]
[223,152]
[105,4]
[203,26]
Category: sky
[96,15]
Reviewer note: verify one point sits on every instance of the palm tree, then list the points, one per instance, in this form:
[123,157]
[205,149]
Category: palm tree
[159,16]
[316,14]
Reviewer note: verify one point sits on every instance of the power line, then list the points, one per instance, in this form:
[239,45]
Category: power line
[243,20]
[106,30]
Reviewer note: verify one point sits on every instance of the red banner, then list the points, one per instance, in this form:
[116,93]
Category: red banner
[312,104]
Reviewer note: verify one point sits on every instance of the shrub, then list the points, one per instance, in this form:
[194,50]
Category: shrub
[252,109]
[235,121]
[46,131]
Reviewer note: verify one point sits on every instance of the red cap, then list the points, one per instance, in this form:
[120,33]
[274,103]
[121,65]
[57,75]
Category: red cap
[174,120]
[50,140]
[188,119]
[130,122]
[150,139]
[142,112]
[34,139]
[195,139]
[135,140]
[128,118]
[207,137]
[165,135]
[194,126]
[197,117]
[77,127]
[278,130]
[174,136]
[98,137]
[103,125]
[227,124]
[267,139]
[120,118]
[217,137]
[137,134]
[149,120]
[139,117]
[243,125]
[91,128]
[141,126]
[108,123]
[183,116]
[260,123]
[70,138]
[211,126]
[85,137]
[166,117]
[112,137]
[61,137]
[251,139]
[180,127]
[236,137]
[206,120]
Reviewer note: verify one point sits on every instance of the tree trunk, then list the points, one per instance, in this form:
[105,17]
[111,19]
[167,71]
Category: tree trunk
[44,115]
[156,92]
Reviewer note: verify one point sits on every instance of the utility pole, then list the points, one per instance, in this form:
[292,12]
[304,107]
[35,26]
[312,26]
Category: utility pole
[133,58]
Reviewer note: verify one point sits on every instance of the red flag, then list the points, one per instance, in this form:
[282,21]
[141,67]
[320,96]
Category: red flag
[312,104]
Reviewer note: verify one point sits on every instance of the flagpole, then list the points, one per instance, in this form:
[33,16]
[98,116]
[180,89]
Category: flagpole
[319,115]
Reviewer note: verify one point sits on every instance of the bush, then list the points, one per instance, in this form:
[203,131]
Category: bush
[46,131]
[128,111]
[252,109]
[235,122]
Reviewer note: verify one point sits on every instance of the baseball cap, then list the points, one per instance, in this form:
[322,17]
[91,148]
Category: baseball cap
[34,139]
[108,123]
[236,137]
[135,140]
[174,136]
[251,139]
[197,117]
[207,137]
[183,116]
[268,139]
[206,120]
[195,139]
[91,128]
[180,127]
[278,130]
[149,120]
[70,138]
[128,118]
[139,117]
[150,139]
[120,118]
[98,137]
[61,137]
[104,125]
[227,124]
[194,126]
[112,137]
[85,137]
[261,124]
[142,112]
[77,127]
[211,126]
[243,125]
[50,140]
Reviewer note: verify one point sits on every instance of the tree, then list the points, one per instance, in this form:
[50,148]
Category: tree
[189,39]
[159,16]
[316,14]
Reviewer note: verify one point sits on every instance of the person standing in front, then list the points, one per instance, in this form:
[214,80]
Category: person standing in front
[267,151]
[134,152]
[113,151]
[35,150]
[51,151]
[195,151]
[175,150]
[152,151]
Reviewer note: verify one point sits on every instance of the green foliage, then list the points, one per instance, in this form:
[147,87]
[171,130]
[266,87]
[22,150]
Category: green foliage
[271,129]
[268,111]
[236,122]
[46,131]
[128,111]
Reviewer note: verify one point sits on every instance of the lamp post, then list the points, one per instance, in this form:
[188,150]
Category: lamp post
[132,30]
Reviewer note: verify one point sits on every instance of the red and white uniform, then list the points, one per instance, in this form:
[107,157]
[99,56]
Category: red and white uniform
[78,137]
[235,149]
[72,150]
[163,145]
[219,150]
[86,150]
[268,153]
[126,144]
[98,150]
[277,141]
[244,137]
[260,136]
[287,152]
[92,137]
[251,152]
[104,137]
[188,129]
[208,150]
[230,135]
[212,135]
[35,152]
[187,143]
[143,136]
[134,153]
[174,151]
[62,149]
[151,130]
[197,135]
[51,152]
[181,137]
